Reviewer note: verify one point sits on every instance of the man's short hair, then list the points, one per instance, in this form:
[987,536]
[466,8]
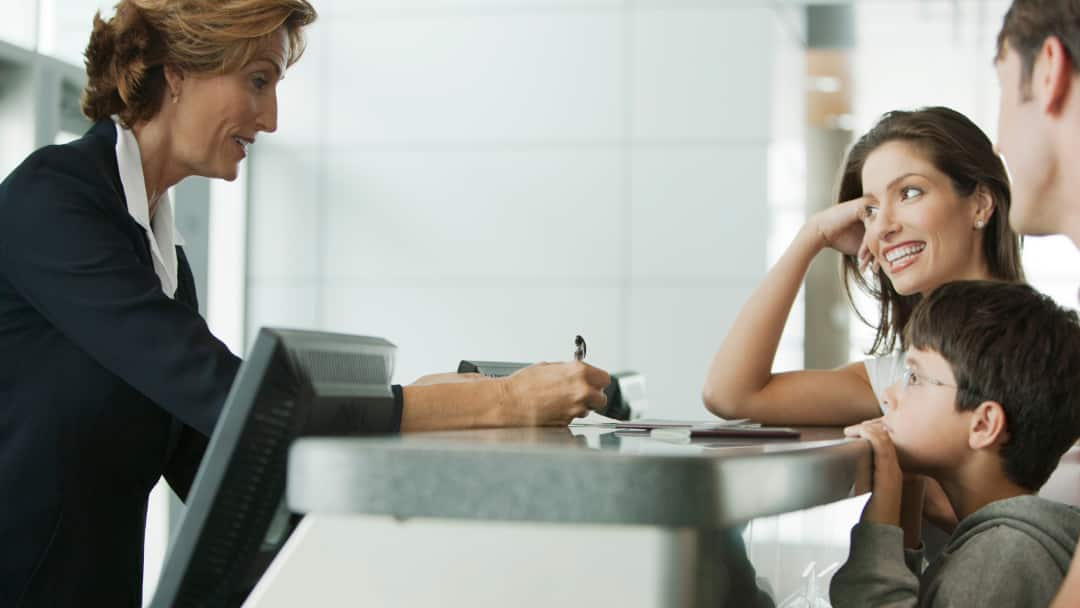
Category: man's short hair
[1008,343]
[1029,23]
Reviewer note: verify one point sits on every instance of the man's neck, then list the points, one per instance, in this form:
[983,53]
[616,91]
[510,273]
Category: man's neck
[1069,168]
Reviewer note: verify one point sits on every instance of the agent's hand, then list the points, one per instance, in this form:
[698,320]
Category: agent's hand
[447,378]
[842,228]
[553,394]
[884,504]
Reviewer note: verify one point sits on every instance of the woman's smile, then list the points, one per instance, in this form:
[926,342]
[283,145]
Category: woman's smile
[902,256]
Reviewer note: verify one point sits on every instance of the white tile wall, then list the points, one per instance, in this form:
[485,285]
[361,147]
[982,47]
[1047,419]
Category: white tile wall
[497,212]
[475,77]
[702,73]
[357,9]
[290,304]
[488,178]
[673,334]
[697,210]
[285,211]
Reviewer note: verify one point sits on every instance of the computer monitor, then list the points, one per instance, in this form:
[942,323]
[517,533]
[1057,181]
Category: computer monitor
[293,383]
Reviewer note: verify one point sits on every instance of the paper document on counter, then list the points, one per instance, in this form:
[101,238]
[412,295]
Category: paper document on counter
[659,423]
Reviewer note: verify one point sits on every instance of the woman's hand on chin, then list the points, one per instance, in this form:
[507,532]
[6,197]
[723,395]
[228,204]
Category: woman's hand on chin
[841,228]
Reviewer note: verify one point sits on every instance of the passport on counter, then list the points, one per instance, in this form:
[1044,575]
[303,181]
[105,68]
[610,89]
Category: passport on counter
[708,428]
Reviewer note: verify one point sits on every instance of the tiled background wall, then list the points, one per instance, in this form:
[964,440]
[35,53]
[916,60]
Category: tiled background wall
[487,179]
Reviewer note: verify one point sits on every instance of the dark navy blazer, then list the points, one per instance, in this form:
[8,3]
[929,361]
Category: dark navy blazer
[106,384]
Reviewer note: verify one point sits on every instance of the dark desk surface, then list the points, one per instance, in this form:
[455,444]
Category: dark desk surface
[588,475]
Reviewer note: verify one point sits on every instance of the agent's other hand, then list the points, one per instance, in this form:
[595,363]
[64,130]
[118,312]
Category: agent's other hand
[447,378]
[884,504]
[553,394]
[842,228]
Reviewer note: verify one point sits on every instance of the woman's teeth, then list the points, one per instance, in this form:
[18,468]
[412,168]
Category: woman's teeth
[900,253]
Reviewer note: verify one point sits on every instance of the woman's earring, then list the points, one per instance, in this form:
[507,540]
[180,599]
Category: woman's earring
[978,223]
[175,98]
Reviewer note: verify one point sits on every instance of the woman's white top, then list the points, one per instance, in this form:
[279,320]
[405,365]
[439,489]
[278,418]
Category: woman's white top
[884,372]
[161,228]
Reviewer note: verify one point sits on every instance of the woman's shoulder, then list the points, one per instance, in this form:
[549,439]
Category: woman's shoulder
[888,360]
[884,370]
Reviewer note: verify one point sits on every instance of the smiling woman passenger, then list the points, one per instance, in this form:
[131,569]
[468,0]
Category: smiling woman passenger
[923,200]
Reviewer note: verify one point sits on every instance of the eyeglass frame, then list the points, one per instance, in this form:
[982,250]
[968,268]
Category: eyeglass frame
[909,373]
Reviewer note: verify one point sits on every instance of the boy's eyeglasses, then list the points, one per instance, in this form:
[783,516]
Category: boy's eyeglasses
[910,378]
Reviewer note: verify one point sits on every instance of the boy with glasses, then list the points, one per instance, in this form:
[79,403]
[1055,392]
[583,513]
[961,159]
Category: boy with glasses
[989,403]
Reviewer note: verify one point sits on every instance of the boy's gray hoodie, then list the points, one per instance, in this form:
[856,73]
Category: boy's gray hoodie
[1012,552]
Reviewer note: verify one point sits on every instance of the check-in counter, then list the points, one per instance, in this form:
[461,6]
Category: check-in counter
[579,516]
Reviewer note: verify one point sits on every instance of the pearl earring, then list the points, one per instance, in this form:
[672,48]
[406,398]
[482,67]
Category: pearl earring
[979,224]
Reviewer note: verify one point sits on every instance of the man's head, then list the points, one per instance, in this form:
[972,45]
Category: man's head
[1038,66]
[992,366]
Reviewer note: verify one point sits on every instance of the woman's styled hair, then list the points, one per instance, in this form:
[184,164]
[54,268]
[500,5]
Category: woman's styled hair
[127,55]
[960,150]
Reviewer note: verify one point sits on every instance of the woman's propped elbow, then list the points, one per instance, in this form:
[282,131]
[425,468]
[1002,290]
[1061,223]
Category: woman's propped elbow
[723,404]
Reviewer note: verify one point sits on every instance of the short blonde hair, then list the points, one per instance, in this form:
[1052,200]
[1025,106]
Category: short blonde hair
[127,55]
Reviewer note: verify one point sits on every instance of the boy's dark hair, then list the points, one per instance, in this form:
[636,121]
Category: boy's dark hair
[1008,343]
[1029,23]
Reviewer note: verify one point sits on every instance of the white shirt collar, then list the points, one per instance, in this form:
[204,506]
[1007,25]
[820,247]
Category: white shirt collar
[161,229]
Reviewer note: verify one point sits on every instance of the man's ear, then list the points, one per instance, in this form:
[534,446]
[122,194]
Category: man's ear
[1052,75]
[988,426]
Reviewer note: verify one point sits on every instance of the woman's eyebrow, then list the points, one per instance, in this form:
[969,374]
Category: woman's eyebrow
[273,64]
[893,183]
[895,180]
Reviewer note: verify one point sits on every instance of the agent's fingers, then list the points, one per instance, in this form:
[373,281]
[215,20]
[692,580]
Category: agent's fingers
[596,400]
[595,376]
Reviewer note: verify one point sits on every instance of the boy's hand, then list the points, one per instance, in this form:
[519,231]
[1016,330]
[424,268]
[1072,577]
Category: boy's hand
[884,504]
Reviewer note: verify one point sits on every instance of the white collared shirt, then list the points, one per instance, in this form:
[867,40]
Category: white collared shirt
[161,229]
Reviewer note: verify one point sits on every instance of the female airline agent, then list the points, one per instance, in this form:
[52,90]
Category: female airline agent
[109,378]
